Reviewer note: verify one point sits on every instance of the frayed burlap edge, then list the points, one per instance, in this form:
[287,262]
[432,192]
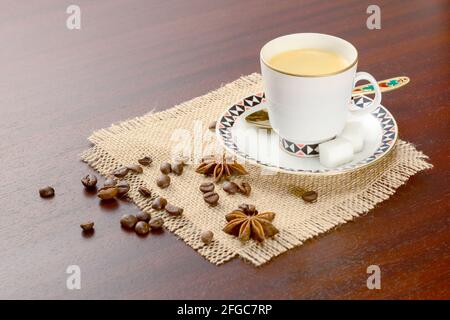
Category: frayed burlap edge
[349,209]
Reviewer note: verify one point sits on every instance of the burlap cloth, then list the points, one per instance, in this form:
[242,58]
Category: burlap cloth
[341,198]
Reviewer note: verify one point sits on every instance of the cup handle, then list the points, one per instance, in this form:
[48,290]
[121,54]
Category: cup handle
[364,105]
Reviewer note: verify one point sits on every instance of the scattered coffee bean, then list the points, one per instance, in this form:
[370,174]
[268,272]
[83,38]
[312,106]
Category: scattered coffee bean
[159,203]
[206,187]
[128,221]
[165,168]
[89,182]
[87,226]
[212,125]
[144,191]
[122,188]
[244,188]
[230,187]
[135,168]
[173,210]
[145,161]
[106,193]
[163,181]
[156,223]
[248,209]
[177,168]
[309,196]
[211,198]
[142,228]
[120,172]
[110,182]
[47,192]
[207,237]
[143,216]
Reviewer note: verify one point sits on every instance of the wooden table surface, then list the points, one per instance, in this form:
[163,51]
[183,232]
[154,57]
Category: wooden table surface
[59,85]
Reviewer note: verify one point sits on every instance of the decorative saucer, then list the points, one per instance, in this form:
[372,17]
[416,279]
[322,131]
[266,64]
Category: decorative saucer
[262,147]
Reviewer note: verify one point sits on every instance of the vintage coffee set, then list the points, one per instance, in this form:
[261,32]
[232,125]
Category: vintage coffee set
[311,124]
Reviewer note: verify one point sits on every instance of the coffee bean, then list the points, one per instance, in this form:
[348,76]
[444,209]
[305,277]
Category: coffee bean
[87,226]
[173,210]
[163,181]
[47,192]
[156,223]
[309,196]
[144,191]
[230,187]
[248,209]
[251,209]
[120,172]
[89,182]
[211,198]
[143,216]
[122,188]
[244,188]
[128,221]
[142,228]
[207,187]
[145,161]
[109,182]
[177,168]
[135,168]
[212,125]
[207,236]
[159,203]
[106,193]
[165,168]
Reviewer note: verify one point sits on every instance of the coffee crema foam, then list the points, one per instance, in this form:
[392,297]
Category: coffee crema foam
[308,62]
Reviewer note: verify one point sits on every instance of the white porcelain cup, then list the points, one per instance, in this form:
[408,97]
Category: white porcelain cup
[306,110]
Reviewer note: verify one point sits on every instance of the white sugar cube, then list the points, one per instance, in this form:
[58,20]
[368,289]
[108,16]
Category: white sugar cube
[354,132]
[335,152]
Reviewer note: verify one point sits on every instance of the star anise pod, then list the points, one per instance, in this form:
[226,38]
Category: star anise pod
[246,222]
[220,168]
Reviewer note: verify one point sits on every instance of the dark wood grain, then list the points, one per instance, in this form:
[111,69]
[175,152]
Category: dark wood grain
[57,86]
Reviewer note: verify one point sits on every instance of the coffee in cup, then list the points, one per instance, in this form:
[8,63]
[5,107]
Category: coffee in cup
[309,61]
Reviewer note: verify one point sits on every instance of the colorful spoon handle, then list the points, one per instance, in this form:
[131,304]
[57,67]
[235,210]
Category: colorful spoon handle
[385,86]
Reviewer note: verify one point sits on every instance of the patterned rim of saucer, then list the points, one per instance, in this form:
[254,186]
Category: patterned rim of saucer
[229,118]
